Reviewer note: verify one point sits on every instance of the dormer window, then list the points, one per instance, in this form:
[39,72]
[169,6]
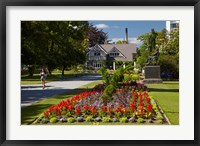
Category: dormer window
[114,54]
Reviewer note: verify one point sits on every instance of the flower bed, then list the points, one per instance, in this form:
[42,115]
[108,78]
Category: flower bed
[129,103]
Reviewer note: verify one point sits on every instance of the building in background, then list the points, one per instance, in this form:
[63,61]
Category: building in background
[170,25]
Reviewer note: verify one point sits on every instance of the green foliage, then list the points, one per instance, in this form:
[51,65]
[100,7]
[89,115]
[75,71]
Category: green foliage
[71,120]
[106,119]
[168,44]
[123,120]
[159,116]
[107,95]
[89,119]
[109,90]
[131,77]
[160,121]
[119,42]
[105,76]
[140,120]
[53,120]
[169,64]
[58,43]
[44,121]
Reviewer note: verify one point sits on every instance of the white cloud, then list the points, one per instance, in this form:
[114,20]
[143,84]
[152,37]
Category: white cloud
[102,26]
[114,26]
[131,40]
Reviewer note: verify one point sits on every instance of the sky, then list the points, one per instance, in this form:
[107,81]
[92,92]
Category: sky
[116,29]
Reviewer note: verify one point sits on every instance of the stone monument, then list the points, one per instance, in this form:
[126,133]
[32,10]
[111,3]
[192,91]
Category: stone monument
[152,71]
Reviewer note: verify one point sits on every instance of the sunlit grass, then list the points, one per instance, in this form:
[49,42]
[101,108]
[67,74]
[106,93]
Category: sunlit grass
[167,95]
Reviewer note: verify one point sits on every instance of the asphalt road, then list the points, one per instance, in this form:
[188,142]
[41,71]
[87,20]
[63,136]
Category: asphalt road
[35,93]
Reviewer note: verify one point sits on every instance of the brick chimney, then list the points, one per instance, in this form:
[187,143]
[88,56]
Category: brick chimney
[126,32]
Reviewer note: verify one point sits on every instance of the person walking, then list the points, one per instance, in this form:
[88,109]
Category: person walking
[43,78]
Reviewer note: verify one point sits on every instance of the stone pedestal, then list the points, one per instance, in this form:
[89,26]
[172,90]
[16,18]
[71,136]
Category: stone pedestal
[152,75]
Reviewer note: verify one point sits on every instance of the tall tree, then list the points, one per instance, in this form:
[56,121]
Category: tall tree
[95,36]
[53,43]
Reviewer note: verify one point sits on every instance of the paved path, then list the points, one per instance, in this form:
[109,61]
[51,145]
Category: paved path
[34,93]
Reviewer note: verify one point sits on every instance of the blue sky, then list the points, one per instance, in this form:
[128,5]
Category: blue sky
[116,29]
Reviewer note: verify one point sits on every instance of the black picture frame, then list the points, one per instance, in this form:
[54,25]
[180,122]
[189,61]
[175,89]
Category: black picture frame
[5,3]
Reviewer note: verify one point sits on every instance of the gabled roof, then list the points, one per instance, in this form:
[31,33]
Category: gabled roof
[126,49]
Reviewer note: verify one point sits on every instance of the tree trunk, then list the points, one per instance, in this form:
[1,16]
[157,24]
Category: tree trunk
[63,71]
[31,70]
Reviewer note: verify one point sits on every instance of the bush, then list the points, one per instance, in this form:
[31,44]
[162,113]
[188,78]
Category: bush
[109,90]
[53,120]
[89,119]
[140,120]
[131,77]
[169,65]
[160,121]
[71,120]
[44,121]
[106,119]
[123,120]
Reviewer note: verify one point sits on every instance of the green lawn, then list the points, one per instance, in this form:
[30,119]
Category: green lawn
[35,79]
[28,114]
[167,95]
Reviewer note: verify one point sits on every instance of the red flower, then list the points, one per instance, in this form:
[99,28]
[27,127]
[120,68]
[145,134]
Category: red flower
[46,113]
[141,109]
[135,94]
[149,107]
[110,110]
[104,108]
[86,107]
[70,108]
[132,106]
[147,99]
[93,110]
[78,110]
[118,109]
[124,110]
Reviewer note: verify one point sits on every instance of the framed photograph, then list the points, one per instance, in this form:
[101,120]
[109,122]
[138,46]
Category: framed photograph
[99,72]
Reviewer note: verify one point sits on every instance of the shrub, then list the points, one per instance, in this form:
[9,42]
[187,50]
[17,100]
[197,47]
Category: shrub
[44,121]
[123,120]
[71,120]
[106,119]
[110,90]
[169,64]
[140,120]
[53,120]
[106,97]
[160,121]
[89,119]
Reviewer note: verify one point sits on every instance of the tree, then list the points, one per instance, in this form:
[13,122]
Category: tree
[95,36]
[143,51]
[152,40]
[53,43]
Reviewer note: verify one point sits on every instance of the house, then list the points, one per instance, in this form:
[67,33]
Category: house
[110,52]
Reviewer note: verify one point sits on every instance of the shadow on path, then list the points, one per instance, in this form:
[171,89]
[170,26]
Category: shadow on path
[163,90]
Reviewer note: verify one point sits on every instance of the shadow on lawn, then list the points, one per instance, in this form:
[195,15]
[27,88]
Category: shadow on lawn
[28,114]
[163,90]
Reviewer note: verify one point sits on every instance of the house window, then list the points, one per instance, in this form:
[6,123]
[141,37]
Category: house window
[97,54]
[114,54]
[97,64]
[173,25]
